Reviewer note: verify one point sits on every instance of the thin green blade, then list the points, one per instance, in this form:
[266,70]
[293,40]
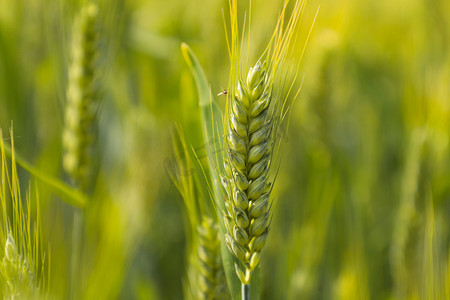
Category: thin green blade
[68,194]
[211,119]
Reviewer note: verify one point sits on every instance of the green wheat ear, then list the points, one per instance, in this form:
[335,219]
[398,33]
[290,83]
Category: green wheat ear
[256,106]
[17,275]
[212,281]
[82,99]
[249,146]
[205,275]
[22,273]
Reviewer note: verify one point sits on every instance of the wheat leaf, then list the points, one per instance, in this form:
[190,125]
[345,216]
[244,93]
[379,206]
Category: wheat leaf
[68,194]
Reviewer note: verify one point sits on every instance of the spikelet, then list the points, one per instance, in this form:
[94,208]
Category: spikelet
[82,98]
[212,281]
[249,147]
[18,278]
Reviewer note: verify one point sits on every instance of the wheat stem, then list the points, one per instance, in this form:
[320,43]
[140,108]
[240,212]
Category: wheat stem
[76,253]
[245,291]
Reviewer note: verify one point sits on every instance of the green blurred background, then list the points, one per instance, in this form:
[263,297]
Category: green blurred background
[363,191]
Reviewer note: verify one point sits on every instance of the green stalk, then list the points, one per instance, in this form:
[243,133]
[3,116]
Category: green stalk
[76,254]
[245,291]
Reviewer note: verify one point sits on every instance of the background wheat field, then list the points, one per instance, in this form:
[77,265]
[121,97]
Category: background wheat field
[362,195]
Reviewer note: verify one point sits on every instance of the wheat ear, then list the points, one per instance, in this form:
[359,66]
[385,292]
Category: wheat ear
[22,273]
[256,106]
[17,275]
[82,96]
[249,147]
[212,281]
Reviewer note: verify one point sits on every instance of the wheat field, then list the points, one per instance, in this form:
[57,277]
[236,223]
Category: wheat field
[213,149]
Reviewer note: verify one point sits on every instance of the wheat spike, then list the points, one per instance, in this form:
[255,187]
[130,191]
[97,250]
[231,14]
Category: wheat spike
[82,98]
[17,275]
[23,261]
[212,282]
[249,148]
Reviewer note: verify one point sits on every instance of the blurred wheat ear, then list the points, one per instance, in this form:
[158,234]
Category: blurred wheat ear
[205,275]
[22,267]
[212,281]
[82,99]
